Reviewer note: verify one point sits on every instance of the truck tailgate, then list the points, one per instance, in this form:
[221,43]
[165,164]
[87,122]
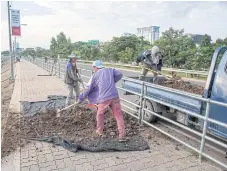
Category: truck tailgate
[178,100]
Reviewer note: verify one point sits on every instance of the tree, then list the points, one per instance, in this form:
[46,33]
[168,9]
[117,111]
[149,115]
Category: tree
[176,48]
[54,47]
[6,53]
[225,41]
[61,46]
[126,55]
[206,41]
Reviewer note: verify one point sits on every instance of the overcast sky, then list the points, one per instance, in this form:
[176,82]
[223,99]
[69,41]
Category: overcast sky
[103,20]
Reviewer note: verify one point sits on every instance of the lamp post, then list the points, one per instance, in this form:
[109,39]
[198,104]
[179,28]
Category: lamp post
[10,44]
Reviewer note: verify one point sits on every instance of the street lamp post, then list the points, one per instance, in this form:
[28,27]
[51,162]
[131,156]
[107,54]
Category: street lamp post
[10,44]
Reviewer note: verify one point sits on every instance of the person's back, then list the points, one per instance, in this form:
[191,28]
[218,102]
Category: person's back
[105,80]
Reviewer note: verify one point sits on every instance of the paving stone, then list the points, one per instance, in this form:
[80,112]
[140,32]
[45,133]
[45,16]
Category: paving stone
[46,164]
[68,161]
[80,161]
[119,167]
[24,154]
[78,157]
[101,166]
[27,164]
[98,156]
[109,161]
[88,166]
[60,164]
[25,168]
[42,158]
[97,162]
[49,157]
[49,168]
[34,168]
[79,167]
[135,165]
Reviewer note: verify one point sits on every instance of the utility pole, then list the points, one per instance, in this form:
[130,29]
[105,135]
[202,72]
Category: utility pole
[10,44]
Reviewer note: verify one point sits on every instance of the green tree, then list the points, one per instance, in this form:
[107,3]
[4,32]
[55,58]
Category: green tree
[54,47]
[206,41]
[176,48]
[126,55]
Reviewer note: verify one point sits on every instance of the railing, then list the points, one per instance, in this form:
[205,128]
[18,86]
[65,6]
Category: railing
[132,67]
[59,69]
[203,73]
[5,63]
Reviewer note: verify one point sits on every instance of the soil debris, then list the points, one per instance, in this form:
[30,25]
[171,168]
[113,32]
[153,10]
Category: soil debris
[180,84]
[76,125]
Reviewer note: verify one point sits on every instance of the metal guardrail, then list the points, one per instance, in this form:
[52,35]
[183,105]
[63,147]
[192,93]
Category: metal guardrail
[204,73]
[5,64]
[59,69]
[186,72]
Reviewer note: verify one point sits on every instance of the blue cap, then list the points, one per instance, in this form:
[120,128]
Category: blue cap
[98,64]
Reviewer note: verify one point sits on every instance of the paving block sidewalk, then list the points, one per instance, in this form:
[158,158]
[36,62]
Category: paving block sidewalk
[37,156]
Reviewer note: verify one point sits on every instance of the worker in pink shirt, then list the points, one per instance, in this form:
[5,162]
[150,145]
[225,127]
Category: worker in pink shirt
[103,91]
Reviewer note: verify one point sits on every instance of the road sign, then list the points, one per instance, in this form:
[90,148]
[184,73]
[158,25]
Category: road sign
[15,23]
[93,42]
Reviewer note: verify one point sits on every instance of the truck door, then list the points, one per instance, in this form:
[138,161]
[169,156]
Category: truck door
[219,93]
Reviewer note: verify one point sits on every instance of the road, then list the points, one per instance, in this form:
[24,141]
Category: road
[131,73]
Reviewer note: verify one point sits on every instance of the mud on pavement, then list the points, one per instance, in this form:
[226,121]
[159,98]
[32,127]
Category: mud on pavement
[6,93]
[75,125]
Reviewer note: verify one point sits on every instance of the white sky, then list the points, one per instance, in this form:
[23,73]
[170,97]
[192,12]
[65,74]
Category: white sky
[84,21]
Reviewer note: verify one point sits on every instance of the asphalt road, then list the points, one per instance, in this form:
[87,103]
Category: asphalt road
[130,73]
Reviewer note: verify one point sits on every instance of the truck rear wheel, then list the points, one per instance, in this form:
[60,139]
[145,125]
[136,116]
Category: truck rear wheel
[148,116]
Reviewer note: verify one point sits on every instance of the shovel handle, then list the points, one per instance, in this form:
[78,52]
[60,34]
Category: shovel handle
[69,106]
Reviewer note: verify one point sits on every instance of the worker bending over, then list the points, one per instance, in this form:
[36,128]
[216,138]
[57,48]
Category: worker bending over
[72,80]
[103,91]
[152,59]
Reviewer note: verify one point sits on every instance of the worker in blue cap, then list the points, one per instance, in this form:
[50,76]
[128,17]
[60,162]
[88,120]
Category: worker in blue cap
[103,92]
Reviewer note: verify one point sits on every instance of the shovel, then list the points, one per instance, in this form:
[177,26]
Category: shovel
[75,104]
[159,73]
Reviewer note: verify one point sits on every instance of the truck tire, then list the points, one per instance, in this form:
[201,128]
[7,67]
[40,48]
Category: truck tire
[148,116]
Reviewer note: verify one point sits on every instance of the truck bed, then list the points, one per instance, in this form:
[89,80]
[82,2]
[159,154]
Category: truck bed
[157,93]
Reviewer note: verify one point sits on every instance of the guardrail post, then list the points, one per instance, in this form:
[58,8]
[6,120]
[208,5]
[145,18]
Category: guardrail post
[59,68]
[141,101]
[204,130]
[144,102]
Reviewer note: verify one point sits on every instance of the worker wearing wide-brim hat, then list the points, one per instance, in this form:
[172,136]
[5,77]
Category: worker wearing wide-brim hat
[72,79]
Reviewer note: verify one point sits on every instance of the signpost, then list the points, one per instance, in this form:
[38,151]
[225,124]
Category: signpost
[15,23]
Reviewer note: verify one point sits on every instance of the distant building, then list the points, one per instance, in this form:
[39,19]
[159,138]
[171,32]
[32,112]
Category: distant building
[38,48]
[127,34]
[150,34]
[197,38]
[30,49]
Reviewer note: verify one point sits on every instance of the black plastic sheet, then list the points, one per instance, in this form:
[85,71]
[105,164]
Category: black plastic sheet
[136,143]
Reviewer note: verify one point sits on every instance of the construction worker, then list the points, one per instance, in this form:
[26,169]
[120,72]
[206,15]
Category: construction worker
[103,92]
[72,79]
[152,59]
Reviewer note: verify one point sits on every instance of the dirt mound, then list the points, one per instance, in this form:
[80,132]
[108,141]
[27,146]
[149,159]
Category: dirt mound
[76,125]
[179,84]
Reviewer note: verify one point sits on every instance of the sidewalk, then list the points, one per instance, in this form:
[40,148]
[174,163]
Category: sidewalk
[37,156]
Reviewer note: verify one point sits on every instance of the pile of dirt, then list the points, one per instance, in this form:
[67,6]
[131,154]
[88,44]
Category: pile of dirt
[6,93]
[179,84]
[76,125]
